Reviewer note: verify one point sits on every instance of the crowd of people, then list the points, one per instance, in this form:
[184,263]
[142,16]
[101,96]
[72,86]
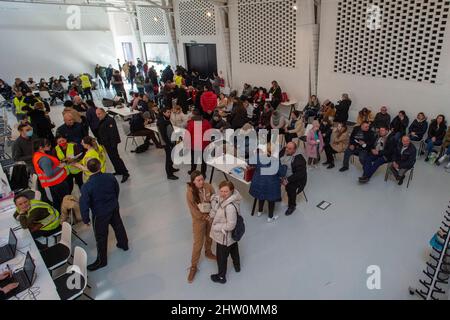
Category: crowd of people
[69,155]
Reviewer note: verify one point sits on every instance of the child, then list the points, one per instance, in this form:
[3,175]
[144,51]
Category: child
[314,144]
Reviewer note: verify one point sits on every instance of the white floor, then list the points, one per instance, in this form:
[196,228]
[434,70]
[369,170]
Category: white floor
[313,254]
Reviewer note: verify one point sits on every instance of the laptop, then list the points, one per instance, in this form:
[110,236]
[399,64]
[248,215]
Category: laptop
[8,252]
[23,276]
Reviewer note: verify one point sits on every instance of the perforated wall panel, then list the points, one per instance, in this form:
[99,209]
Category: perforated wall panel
[152,21]
[398,39]
[267,32]
[197,18]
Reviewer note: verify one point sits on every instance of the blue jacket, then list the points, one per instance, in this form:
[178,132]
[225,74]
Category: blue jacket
[100,194]
[267,187]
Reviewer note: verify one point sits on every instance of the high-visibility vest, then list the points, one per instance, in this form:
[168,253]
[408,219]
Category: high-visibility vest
[19,104]
[50,222]
[60,176]
[70,153]
[85,82]
[93,154]
[178,81]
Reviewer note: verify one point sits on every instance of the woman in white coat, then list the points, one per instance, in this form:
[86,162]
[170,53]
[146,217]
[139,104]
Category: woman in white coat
[225,208]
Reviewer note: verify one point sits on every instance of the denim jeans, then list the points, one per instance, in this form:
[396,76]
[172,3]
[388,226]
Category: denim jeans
[431,145]
[371,165]
[362,154]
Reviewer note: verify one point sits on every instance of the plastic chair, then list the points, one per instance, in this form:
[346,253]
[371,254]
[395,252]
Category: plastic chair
[58,255]
[410,174]
[76,276]
[128,135]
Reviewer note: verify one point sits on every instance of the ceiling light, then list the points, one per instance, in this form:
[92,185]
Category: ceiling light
[209,14]
[294,7]
[156,19]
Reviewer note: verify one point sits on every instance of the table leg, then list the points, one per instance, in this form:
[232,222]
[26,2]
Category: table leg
[226,178]
[254,207]
[212,175]
[292,109]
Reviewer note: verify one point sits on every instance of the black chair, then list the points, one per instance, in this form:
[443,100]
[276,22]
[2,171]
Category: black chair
[58,255]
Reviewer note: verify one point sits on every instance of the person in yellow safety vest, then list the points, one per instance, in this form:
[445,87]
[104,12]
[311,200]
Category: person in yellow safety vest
[86,86]
[93,151]
[19,103]
[69,152]
[37,216]
[51,172]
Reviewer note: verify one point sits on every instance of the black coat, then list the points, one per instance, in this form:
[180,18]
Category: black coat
[299,172]
[419,128]
[108,135]
[165,128]
[382,120]
[398,125]
[368,137]
[326,133]
[74,133]
[389,148]
[437,132]
[42,126]
[342,111]
[167,75]
[407,159]
[238,117]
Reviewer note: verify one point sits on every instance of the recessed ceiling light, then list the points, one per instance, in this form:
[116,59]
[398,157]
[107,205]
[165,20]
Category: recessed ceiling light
[209,14]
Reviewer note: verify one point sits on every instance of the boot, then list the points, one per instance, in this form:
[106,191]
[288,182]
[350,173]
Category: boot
[441,159]
[192,272]
[210,255]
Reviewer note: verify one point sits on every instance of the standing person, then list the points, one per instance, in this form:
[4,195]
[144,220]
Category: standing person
[275,93]
[109,138]
[338,144]
[436,134]
[267,187]
[117,83]
[91,117]
[100,194]
[74,131]
[198,143]
[40,121]
[109,74]
[361,142]
[57,92]
[314,144]
[165,128]
[126,70]
[51,172]
[296,175]
[93,151]
[326,129]
[342,108]
[22,149]
[132,71]
[86,86]
[198,196]
[140,83]
[225,208]
[66,152]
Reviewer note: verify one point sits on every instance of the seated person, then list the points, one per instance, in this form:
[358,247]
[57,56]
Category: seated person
[296,175]
[436,134]
[399,125]
[328,112]
[446,147]
[247,91]
[217,121]
[295,127]
[382,119]
[137,128]
[4,276]
[312,108]
[404,159]
[383,152]
[365,115]
[338,143]
[37,216]
[178,118]
[22,149]
[361,142]
[418,127]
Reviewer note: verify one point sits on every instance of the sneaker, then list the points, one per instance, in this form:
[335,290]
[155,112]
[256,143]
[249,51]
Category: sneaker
[447,166]
[192,272]
[259,214]
[290,211]
[270,220]
[218,279]
[343,169]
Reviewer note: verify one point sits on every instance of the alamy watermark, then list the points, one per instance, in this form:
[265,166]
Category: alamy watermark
[73,21]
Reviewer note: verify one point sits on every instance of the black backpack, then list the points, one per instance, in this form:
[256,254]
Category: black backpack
[239,229]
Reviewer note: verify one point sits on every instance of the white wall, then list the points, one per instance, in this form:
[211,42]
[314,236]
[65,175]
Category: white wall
[410,96]
[294,81]
[37,43]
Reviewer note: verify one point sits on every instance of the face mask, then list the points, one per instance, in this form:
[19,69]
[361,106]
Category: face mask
[30,133]
[63,144]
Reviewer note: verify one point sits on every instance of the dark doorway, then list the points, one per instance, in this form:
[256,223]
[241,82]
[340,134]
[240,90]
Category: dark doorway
[203,58]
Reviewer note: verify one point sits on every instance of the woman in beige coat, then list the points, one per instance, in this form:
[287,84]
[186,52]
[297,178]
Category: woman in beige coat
[339,142]
[198,197]
[225,208]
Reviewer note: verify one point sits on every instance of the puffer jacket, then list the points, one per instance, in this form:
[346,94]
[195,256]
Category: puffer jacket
[224,215]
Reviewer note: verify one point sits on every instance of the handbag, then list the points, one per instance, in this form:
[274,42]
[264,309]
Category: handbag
[248,173]
[204,207]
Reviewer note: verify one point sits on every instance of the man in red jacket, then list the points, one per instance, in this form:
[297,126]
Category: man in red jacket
[208,102]
[197,142]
